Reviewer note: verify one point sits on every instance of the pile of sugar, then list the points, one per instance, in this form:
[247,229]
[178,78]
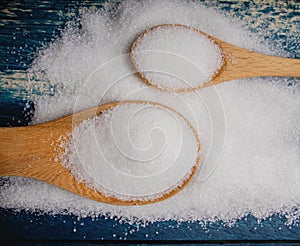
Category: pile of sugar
[176,57]
[249,129]
[133,151]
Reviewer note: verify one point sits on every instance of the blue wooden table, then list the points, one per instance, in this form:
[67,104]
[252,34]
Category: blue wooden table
[30,29]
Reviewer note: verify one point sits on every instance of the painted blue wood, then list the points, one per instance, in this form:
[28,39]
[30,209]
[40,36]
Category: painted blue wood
[29,30]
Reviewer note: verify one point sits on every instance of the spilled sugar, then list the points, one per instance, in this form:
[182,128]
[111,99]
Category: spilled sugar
[133,152]
[176,57]
[249,129]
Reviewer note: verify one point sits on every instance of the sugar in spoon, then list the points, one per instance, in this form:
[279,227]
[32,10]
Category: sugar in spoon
[152,58]
[33,152]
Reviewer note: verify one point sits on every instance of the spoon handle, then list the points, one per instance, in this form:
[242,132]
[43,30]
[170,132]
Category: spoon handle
[16,150]
[32,152]
[242,63]
[275,66]
[28,151]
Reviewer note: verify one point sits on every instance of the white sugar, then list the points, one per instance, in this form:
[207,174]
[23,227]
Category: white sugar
[133,151]
[176,57]
[249,129]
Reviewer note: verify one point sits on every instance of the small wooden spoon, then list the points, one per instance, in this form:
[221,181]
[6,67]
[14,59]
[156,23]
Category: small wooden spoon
[33,152]
[237,63]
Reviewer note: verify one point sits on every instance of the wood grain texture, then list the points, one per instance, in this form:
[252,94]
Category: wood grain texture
[33,152]
[238,63]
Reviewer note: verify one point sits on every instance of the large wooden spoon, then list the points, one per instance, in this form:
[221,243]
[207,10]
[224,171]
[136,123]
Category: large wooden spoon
[33,152]
[237,62]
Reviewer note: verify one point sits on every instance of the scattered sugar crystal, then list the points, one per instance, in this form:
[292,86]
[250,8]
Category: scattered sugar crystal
[249,129]
[176,57]
[133,151]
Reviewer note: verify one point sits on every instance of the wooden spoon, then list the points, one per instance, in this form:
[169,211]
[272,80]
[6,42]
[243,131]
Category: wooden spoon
[237,62]
[33,152]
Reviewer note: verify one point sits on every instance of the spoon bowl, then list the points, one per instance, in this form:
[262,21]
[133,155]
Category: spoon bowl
[34,152]
[237,63]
